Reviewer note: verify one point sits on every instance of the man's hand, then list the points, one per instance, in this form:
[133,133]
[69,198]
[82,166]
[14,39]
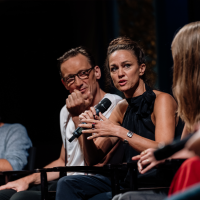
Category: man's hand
[18,185]
[77,102]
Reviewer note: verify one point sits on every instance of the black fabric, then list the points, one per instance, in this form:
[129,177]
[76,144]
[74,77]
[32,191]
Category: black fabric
[2,180]
[79,187]
[138,120]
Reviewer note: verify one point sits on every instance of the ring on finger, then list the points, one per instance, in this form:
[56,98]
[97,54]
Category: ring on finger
[147,160]
[93,126]
[144,152]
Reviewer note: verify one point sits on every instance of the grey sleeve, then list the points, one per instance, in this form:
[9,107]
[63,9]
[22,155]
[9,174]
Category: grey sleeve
[16,147]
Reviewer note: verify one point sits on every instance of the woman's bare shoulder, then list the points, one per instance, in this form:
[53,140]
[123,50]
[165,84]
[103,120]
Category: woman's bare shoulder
[122,105]
[163,98]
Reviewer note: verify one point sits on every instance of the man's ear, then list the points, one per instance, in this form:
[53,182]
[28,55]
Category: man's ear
[97,72]
[142,69]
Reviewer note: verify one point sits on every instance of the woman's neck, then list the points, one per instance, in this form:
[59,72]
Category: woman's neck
[138,90]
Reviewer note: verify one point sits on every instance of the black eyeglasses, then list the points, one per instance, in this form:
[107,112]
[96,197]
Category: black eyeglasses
[83,74]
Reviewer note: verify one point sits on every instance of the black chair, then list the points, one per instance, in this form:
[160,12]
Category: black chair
[169,166]
[28,169]
[112,170]
[31,159]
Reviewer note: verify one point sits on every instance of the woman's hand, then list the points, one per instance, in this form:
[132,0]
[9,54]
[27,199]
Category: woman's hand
[88,114]
[102,128]
[146,158]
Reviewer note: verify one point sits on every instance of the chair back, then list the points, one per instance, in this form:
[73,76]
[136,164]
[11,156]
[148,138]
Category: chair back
[31,159]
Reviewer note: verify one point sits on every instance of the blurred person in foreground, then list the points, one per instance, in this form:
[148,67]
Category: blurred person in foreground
[14,146]
[144,119]
[80,76]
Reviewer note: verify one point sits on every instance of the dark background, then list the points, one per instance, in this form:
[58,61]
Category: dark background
[33,34]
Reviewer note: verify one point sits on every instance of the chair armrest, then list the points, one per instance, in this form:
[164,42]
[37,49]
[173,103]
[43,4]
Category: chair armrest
[8,174]
[111,170]
[171,166]
[171,163]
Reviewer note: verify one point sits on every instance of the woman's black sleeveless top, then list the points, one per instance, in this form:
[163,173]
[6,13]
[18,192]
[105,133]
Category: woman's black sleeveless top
[138,120]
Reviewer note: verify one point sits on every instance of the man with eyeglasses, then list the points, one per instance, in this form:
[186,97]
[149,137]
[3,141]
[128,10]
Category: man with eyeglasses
[80,76]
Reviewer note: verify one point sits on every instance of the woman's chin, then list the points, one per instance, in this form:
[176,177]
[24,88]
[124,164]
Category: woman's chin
[122,88]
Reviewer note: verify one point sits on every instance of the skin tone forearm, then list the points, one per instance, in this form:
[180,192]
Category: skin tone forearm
[92,154]
[183,154]
[5,165]
[120,132]
[163,118]
[148,161]
[95,150]
[52,175]
[23,183]
[194,143]
[107,128]
[137,142]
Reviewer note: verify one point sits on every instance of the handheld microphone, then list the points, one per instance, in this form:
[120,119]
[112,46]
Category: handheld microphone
[171,149]
[102,106]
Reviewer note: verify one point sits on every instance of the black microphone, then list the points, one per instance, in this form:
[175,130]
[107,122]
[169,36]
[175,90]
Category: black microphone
[102,106]
[171,149]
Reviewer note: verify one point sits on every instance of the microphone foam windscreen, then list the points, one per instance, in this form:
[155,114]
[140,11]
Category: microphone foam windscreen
[103,105]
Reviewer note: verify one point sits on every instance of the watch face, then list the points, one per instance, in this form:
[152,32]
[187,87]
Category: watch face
[130,134]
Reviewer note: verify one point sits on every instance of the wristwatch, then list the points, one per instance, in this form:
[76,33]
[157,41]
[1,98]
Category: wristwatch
[129,134]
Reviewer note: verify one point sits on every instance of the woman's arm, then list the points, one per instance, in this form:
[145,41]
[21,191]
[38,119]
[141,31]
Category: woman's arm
[147,160]
[163,117]
[194,143]
[94,150]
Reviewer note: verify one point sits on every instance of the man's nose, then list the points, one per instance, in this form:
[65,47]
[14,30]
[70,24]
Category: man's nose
[77,81]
